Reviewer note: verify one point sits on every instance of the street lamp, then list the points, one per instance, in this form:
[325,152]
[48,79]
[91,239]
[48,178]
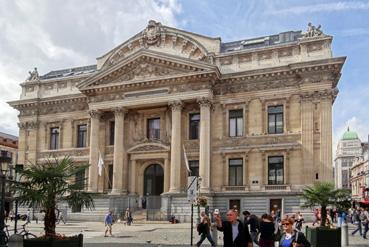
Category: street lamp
[4,163]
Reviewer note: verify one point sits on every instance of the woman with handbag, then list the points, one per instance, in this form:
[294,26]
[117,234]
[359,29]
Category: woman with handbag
[291,237]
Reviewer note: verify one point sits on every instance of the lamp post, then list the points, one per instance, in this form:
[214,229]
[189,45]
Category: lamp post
[4,162]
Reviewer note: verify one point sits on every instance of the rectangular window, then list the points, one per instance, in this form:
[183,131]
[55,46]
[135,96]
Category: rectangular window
[275,170]
[153,128]
[235,172]
[194,126]
[194,167]
[111,133]
[80,179]
[235,123]
[81,135]
[275,119]
[54,138]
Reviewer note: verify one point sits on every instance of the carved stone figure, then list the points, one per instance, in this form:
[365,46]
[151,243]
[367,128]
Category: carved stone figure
[33,76]
[313,31]
[152,33]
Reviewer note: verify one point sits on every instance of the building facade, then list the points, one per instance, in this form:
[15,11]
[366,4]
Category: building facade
[253,116]
[359,180]
[9,148]
[349,149]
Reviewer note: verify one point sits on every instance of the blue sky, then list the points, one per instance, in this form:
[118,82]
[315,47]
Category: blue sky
[65,33]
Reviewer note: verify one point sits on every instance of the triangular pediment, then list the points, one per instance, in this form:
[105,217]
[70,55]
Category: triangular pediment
[146,65]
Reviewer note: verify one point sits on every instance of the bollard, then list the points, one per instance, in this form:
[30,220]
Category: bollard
[344,235]
[15,240]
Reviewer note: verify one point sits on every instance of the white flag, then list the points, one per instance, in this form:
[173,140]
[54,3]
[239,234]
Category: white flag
[100,164]
[186,160]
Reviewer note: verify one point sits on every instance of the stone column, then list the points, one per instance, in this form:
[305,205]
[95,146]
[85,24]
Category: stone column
[94,151]
[204,164]
[22,143]
[133,177]
[166,174]
[307,139]
[176,150]
[326,139]
[119,152]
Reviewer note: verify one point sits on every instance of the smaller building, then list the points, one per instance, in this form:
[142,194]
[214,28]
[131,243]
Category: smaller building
[8,154]
[349,148]
[8,148]
[359,175]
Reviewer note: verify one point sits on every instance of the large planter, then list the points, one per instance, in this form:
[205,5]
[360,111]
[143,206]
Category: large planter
[324,236]
[76,241]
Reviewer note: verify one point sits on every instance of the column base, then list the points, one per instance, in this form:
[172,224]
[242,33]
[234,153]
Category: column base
[173,191]
[118,192]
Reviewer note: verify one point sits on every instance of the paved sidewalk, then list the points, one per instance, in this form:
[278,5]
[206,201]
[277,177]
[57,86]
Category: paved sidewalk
[140,235]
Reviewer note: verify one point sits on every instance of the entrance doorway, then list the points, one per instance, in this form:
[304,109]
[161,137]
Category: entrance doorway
[276,206]
[235,204]
[153,185]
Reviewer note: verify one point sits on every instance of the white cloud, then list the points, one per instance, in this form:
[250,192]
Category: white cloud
[59,34]
[323,7]
[354,32]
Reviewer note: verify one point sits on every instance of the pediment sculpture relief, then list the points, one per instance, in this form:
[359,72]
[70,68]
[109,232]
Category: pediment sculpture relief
[146,70]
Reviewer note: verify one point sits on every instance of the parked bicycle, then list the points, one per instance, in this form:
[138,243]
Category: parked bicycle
[24,232]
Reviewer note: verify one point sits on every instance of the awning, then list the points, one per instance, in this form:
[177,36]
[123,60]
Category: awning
[365,201]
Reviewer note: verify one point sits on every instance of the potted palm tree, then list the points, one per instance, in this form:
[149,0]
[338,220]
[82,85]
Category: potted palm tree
[44,186]
[323,195]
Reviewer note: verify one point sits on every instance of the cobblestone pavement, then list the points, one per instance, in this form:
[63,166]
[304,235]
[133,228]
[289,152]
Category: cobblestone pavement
[140,235]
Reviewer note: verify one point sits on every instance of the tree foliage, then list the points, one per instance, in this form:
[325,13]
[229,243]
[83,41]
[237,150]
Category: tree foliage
[47,184]
[324,194]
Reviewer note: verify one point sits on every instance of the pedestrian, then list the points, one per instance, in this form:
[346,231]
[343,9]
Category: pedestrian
[203,228]
[108,223]
[357,221]
[266,231]
[316,216]
[291,237]
[364,216]
[28,215]
[235,234]
[128,216]
[299,220]
[11,215]
[252,221]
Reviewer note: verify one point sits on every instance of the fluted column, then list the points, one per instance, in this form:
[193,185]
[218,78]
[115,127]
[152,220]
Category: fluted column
[204,169]
[119,152]
[307,139]
[326,139]
[166,174]
[94,151]
[175,151]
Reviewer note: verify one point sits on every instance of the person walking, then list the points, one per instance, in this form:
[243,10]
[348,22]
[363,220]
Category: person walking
[291,237]
[365,221]
[234,231]
[357,221]
[252,221]
[266,231]
[299,220]
[108,223]
[28,216]
[203,228]
[128,216]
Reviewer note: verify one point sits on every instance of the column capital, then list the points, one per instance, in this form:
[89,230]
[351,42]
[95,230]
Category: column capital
[204,102]
[94,114]
[120,110]
[176,105]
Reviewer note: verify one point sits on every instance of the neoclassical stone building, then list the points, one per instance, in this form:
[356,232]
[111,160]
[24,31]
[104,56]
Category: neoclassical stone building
[254,116]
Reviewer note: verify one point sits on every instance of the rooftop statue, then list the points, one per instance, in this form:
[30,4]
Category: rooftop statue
[313,31]
[33,76]
[152,33]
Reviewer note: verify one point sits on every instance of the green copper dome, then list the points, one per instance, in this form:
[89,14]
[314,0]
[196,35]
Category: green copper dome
[349,135]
